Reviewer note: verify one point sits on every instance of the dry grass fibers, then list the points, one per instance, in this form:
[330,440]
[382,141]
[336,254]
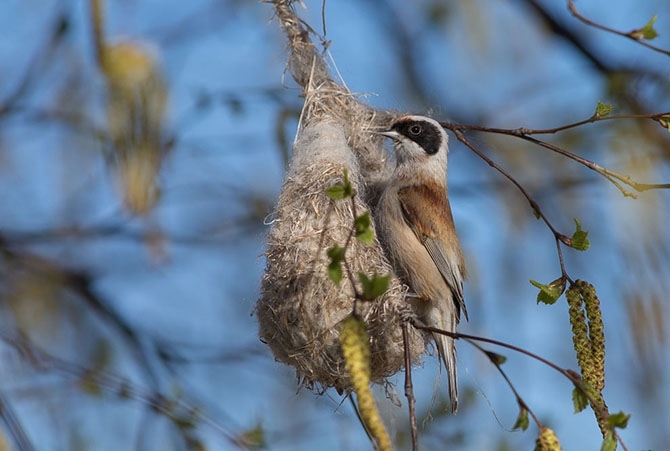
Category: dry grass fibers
[300,310]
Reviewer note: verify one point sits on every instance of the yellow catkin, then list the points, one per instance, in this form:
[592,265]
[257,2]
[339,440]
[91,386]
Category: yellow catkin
[547,440]
[136,106]
[596,333]
[580,335]
[589,344]
[354,341]
[127,65]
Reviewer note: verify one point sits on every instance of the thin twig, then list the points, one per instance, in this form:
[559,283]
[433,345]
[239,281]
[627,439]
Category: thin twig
[171,407]
[350,275]
[97,18]
[409,388]
[522,403]
[36,67]
[610,175]
[521,131]
[571,375]
[357,411]
[460,336]
[561,262]
[525,134]
[558,28]
[13,425]
[633,35]
[533,204]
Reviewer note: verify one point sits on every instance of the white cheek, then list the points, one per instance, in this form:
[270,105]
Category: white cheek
[426,167]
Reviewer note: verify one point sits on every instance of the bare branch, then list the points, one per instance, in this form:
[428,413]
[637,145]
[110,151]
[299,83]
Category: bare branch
[533,204]
[612,176]
[13,425]
[175,409]
[571,375]
[633,35]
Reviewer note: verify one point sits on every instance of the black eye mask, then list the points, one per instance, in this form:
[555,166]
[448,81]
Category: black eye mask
[421,132]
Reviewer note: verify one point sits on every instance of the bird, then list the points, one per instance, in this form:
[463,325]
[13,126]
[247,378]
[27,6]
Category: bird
[416,229]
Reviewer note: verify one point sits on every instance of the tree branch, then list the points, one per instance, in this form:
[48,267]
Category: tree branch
[633,35]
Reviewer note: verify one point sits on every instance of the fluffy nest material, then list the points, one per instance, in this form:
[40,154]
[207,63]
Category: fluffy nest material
[300,310]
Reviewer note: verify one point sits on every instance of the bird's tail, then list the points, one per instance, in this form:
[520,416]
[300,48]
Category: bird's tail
[446,347]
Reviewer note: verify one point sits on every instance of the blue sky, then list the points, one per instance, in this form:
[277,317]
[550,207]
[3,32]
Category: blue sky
[488,60]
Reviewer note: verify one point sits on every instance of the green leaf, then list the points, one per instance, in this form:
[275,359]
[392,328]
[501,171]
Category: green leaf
[364,232]
[579,400]
[522,421]
[497,359]
[366,237]
[335,273]
[618,420]
[374,286]
[665,121]
[579,238]
[603,109]
[647,32]
[337,192]
[336,255]
[253,438]
[550,293]
[587,389]
[609,442]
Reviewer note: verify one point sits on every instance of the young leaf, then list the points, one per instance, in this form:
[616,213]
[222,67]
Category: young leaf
[665,121]
[549,294]
[254,438]
[579,400]
[580,239]
[363,230]
[337,192]
[495,358]
[603,109]
[647,32]
[335,272]
[374,286]
[588,389]
[336,255]
[522,421]
[618,420]
[366,237]
[609,442]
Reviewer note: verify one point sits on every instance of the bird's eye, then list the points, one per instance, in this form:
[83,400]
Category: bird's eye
[415,129]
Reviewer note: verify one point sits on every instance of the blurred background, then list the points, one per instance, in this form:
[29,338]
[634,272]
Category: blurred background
[140,159]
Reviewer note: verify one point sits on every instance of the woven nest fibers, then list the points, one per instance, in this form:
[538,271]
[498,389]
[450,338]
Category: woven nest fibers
[300,309]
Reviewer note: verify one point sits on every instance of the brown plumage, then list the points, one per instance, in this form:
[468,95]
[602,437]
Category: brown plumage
[417,229]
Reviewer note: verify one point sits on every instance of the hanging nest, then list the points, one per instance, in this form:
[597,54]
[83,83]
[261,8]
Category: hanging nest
[301,309]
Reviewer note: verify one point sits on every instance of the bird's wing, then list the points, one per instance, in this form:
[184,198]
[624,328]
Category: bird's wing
[428,213]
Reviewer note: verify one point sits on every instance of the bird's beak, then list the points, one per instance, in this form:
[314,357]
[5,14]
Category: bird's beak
[390,134]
